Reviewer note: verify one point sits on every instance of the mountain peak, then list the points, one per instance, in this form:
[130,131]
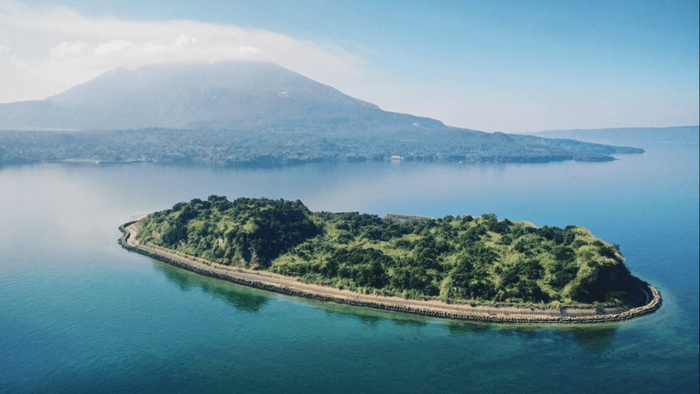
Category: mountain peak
[186,95]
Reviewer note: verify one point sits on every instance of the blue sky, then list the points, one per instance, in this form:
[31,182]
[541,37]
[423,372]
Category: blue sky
[512,66]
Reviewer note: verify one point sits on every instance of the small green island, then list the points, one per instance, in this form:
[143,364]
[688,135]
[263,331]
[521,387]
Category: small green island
[451,261]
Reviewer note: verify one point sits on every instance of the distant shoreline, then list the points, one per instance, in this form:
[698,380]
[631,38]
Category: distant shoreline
[434,308]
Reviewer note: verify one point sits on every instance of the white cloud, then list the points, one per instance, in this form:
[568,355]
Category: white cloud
[183,39]
[54,48]
[114,46]
[69,49]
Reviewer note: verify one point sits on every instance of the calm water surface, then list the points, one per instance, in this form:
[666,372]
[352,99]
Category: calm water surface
[80,314]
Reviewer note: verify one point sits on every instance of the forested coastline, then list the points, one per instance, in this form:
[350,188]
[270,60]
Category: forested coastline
[454,259]
[292,144]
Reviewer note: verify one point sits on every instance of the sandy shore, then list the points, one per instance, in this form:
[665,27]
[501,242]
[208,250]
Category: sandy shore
[492,314]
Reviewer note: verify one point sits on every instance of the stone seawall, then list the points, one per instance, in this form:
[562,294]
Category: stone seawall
[489,314]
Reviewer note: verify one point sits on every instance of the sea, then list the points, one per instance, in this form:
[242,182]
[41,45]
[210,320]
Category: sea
[79,314]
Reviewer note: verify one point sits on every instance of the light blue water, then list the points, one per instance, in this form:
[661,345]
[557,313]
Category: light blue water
[80,314]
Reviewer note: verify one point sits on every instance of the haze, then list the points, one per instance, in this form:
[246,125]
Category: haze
[502,66]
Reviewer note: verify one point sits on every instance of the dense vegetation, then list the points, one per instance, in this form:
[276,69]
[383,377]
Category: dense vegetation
[459,259]
[294,144]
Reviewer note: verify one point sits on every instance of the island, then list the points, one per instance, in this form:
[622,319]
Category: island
[458,267]
[248,114]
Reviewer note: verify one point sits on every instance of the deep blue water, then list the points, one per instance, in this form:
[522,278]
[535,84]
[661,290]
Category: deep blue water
[80,314]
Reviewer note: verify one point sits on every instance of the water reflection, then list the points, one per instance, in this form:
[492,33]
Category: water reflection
[368,316]
[241,297]
[371,320]
[522,330]
[458,329]
[252,300]
[409,321]
[593,337]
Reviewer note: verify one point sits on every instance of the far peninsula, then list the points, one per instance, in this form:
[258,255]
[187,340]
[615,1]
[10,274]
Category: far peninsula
[458,267]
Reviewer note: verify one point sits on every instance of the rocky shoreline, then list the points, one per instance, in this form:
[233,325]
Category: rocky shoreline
[434,308]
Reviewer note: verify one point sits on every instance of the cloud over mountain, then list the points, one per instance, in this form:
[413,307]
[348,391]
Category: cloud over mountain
[46,50]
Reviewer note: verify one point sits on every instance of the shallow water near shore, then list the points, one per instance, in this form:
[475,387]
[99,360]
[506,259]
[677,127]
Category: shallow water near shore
[80,314]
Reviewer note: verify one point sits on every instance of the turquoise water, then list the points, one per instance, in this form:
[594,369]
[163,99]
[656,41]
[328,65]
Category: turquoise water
[80,314]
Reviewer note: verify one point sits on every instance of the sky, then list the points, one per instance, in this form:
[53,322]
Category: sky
[511,66]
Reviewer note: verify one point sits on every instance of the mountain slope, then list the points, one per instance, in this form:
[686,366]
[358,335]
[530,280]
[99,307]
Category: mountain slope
[241,94]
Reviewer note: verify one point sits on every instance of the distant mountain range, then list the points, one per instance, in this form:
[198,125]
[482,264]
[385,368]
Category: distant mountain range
[637,136]
[246,113]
